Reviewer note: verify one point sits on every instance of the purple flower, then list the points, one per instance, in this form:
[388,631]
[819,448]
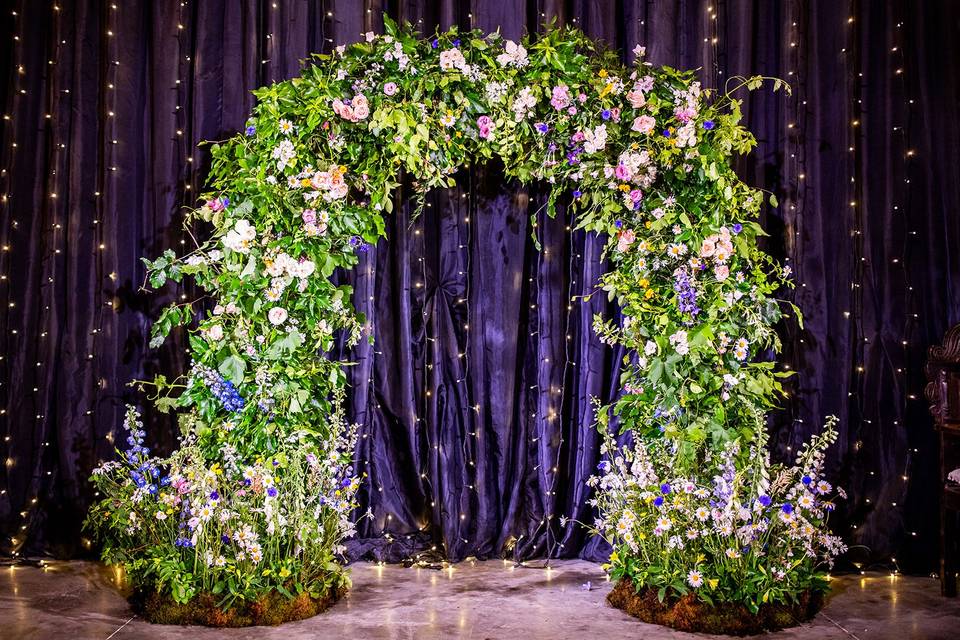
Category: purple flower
[214,496]
[577,193]
[737,228]
[686,293]
[605,114]
[250,130]
[658,501]
[666,133]
[764,501]
[665,488]
[225,539]
[435,43]
[806,479]
[787,508]
[542,127]
[708,124]
[618,224]
[272,492]
[456,42]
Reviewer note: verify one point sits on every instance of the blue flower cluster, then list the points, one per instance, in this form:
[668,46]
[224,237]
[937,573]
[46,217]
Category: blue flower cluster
[224,390]
[143,469]
[686,293]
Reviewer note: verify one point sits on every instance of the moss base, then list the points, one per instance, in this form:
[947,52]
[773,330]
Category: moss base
[271,609]
[690,614]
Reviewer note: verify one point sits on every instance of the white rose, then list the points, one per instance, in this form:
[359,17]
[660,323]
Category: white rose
[215,332]
[277,315]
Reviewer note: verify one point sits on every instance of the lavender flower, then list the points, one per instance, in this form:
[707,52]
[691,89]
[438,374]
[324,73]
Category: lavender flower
[686,293]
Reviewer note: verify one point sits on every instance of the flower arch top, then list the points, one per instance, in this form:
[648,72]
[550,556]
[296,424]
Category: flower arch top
[643,153]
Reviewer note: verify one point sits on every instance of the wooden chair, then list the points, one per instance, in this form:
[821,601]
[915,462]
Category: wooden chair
[943,393]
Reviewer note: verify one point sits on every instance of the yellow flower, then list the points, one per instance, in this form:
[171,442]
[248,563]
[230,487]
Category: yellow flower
[305,182]
[647,224]
[644,283]
[713,583]
[642,536]
[603,73]
[614,557]
[648,294]
[284,572]
[624,187]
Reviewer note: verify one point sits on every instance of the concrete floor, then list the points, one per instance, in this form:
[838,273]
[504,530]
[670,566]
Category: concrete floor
[482,600]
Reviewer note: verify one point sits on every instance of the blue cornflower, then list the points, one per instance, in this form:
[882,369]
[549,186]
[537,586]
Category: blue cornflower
[542,127]
[605,114]
[251,130]
[658,501]
[214,496]
[806,479]
[577,193]
[435,43]
[272,492]
[666,133]
[708,124]
[737,228]
[225,539]
[618,224]
[665,488]
[456,42]
[787,508]
[764,501]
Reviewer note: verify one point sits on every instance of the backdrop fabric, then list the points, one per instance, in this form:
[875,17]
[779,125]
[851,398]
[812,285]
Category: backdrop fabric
[477,429]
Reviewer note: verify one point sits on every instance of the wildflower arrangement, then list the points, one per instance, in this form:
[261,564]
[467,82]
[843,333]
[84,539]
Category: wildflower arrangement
[639,153]
[731,529]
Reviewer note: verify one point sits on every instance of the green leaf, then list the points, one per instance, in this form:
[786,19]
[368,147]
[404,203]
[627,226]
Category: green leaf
[232,369]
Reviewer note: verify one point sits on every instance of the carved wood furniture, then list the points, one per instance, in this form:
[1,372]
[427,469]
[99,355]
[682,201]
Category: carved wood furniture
[943,393]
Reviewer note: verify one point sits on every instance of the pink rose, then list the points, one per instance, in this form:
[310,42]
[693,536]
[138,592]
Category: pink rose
[636,195]
[709,247]
[721,271]
[636,98]
[625,239]
[309,216]
[484,132]
[622,172]
[390,88]
[644,124]
[484,121]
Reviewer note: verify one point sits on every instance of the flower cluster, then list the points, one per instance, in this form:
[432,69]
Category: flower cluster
[223,390]
[282,518]
[743,532]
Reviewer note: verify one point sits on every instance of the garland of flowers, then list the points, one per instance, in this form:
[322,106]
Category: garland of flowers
[641,154]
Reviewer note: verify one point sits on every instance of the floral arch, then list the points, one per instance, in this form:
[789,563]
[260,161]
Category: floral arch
[259,497]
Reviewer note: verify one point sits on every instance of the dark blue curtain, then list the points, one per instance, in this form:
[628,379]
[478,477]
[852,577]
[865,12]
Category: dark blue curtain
[477,431]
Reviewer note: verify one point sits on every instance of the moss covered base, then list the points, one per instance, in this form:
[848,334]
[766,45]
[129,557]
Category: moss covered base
[271,609]
[690,614]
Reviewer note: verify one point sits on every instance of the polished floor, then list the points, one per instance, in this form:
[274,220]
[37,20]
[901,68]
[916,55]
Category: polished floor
[482,600]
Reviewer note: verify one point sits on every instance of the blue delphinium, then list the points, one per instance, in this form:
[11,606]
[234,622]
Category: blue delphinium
[223,390]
